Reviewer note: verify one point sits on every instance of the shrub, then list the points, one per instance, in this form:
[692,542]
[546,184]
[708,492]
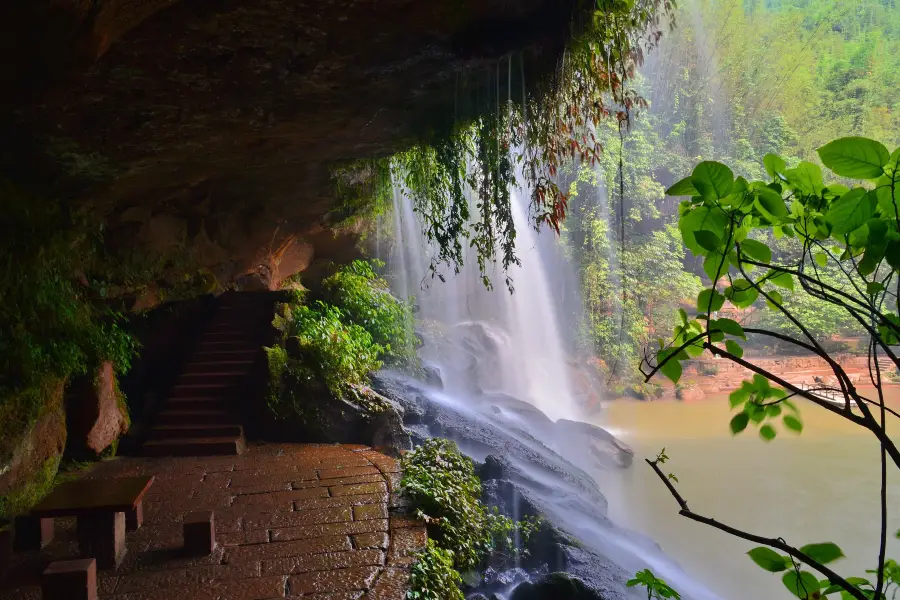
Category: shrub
[54,320]
[443,486]
[432,576]
[324,347]
[366,300]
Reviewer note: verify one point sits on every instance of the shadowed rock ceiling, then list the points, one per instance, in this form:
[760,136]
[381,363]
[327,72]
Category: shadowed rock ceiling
[208,126]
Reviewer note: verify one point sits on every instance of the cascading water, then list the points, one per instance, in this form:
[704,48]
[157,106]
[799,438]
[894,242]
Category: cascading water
[523,328]
[506,391]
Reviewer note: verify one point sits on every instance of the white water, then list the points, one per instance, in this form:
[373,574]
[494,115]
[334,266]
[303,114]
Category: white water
[492,344]
[523,327]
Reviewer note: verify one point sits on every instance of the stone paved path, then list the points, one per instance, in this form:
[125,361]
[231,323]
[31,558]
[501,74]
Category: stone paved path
[292,521]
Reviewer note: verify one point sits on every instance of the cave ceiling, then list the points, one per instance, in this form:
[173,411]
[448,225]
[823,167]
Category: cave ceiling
[210,126]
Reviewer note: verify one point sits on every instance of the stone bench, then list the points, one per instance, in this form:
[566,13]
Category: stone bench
[103,509]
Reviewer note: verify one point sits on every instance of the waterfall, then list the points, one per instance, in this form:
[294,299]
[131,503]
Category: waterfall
[523,329]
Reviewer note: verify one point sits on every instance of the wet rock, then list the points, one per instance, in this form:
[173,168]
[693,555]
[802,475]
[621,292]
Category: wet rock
[556,586]
[433,376]
[38,448]
[362,416]
[594,442]
[96,414]
[691,393]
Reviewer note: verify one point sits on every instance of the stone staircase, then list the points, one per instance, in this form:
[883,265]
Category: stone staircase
[199,417]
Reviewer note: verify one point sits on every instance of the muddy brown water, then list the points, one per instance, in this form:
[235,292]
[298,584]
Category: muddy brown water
[822,485]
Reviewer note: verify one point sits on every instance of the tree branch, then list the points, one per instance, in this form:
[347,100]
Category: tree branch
[833,577]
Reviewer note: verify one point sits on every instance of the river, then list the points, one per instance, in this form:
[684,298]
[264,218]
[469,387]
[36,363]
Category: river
[822,485]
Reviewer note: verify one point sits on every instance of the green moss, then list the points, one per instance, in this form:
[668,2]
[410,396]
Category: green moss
[21,500]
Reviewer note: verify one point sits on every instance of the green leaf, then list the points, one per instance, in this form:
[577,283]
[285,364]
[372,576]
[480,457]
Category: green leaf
[782,280]
[712,179]
[683,188]
[855,157]
[874,287]
[739,423]
[888,196]
[740,395]
[707,239]
[823,553]
[710,300]
[767,432]
[821,259]
[698,219]
[714,266]
[771,203]
[774,164]
[807,177]
[892,253]
[742,293]
[729,326]
[734,348]
[774,299]
[773,410]
[872,258]
[672,369]
[803,585]
[851,211]
[769,560]
[756,250]
[792,423]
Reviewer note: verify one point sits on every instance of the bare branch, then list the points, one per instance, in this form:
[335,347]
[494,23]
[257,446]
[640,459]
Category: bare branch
[778,544]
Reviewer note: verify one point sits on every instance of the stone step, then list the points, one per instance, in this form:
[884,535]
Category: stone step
[202,446]
[171,432]
[218,346]
[218,366]
[231,378]
[207,355]
[196,416]
[219,389]
[200,403]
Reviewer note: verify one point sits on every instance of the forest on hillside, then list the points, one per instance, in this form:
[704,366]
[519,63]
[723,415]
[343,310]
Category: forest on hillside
[733,81]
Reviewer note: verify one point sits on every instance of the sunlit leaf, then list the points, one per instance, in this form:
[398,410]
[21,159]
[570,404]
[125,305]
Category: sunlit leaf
[756,250]
[683,188]
[739,423]
[709,301]
[823,553]
[712,179]
[769,560]
[851,211]
[807,177]
[729,326]
[792,423]
[855,157]
[803,585]
[707,239]
[734,348]
[774,164]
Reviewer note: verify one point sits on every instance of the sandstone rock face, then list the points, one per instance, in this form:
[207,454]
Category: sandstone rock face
[207,128]
[95,413]
[43,442]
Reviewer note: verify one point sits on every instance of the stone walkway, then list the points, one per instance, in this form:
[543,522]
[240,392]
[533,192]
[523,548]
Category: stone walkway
[292,521]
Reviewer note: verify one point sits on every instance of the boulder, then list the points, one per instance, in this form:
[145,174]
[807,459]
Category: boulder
[34,455]
[309,412]
[96,413]
[555,586]
[690,394]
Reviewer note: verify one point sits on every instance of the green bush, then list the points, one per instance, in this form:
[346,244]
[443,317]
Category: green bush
[442,484]
[432,576]
[325,347]
[366,300]
[54,323]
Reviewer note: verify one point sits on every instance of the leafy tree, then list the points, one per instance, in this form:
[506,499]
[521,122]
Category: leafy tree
[848,232]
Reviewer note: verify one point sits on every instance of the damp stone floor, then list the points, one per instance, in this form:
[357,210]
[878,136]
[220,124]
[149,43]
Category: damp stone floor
[319,522]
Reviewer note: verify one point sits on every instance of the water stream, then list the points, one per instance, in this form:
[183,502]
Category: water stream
[508,389]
